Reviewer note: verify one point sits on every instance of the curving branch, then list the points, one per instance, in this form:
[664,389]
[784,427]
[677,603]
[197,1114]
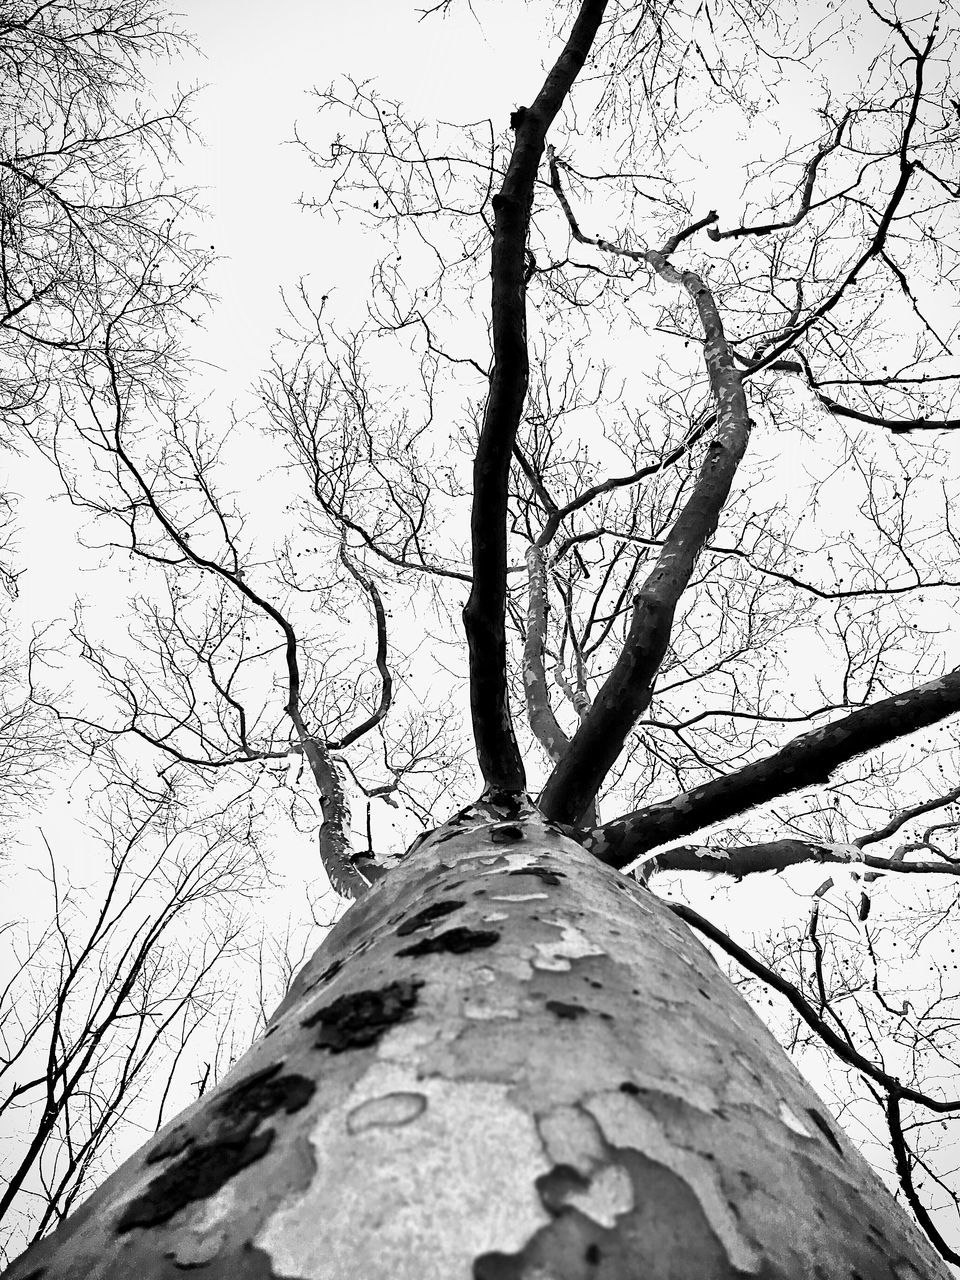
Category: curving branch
[806,202]
[901,1155]
[628,689]
[484,615]
[383,667]
[334,832]
[841,1047]
[335,851]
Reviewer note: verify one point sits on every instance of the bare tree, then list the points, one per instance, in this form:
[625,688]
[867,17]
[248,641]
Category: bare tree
[510,1058]
[90,225]
[102,1005]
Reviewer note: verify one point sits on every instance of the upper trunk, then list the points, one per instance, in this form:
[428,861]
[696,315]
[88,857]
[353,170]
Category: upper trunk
[506,1061]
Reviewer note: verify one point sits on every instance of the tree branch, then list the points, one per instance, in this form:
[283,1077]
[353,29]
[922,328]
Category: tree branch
[844,1051]
[485,610]
[807,760]
[628,689]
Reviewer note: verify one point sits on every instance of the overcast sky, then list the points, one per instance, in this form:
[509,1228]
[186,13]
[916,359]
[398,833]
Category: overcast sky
[259,66]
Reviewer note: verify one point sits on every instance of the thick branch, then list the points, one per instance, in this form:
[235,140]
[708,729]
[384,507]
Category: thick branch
[484,614]
[627,691]
[804,762]
[335,851]
[777,855]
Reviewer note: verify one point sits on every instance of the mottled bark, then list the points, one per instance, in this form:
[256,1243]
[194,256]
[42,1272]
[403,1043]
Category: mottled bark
[336,854]
[543,722]
[484,613]
[806,761]
[506,1061]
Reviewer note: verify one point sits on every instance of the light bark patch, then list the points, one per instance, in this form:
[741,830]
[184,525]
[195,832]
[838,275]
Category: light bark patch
[793,1121]
[386,1112]
[571,945]
[626,1123]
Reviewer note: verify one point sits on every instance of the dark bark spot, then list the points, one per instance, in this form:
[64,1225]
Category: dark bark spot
[825,1129]
[358,1019]
[177,1140]
[517,117]
[436,911]
[563,1010]
[225,1144]
[592,1254]
[265,1093]
[627,1086]
[508,803]
[554,1187]
[201,1173]
[329,972]
[498,1266]
[541,873]
[706,994]
[506,833]
[447,835]
[456,942]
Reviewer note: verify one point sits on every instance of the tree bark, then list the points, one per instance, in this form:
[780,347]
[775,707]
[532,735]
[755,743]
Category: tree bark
[505,1061]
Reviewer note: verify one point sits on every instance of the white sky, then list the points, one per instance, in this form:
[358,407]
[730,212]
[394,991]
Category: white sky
[258,72]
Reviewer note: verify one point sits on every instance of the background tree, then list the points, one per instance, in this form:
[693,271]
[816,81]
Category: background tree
[587,1095]
[108,996]
[95,991]
[90,219]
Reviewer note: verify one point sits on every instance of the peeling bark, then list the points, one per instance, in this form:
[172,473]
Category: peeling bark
[543,722]
[506,1061]
[335,851]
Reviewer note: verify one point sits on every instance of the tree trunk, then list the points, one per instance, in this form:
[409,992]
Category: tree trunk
[506,1061]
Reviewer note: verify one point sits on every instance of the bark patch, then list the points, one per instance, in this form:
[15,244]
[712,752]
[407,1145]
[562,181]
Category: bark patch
[541,873]
[554,1187]
[436,911]
[506,833]
[564,1010]
[358,1019]
[825,1129]
[456,942]
[665,1235]
[204,1162]
[329,972]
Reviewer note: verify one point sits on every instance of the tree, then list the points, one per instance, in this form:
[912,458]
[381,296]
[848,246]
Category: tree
[91,229]
[109,994]
[507,1058]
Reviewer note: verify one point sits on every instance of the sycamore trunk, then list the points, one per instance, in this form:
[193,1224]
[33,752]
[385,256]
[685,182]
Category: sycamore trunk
[506,1062]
